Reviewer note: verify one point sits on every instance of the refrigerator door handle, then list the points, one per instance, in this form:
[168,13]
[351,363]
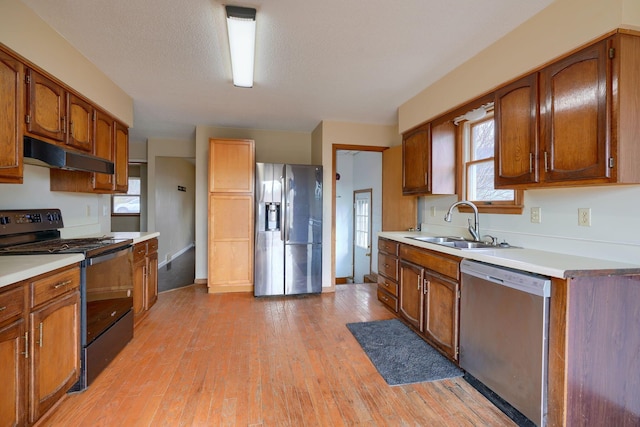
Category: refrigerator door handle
[283,208]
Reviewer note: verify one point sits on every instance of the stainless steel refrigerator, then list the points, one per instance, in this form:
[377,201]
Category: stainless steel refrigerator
[288,215]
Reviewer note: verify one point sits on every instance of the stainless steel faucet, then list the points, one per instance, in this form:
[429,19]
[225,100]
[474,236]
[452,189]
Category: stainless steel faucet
[475,229]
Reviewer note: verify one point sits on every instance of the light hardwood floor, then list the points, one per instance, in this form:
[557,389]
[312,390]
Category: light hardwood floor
[202,359]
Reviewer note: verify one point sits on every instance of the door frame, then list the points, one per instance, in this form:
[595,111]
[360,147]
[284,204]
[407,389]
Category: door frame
[353,222]
[334,149]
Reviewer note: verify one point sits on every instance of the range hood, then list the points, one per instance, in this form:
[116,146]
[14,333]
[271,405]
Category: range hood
[42,153]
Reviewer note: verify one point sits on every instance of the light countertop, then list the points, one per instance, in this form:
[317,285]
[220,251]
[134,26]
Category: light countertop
[536,261]
[15,268]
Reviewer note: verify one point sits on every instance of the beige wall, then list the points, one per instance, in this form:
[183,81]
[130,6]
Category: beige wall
[561,27]
[24,32]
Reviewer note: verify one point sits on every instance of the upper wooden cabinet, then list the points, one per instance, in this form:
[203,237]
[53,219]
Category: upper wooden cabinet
[573,122]
[104,148]
[429,159]
[121,158]
[231,165]
[46,107]
[11,96]
[80,132]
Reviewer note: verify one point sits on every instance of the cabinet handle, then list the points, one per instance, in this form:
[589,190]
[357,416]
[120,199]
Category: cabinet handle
[386,284]
[26,345]
[426,178]
[386,266]
[385,298]
[3,308]
[419,282]
[426,286]
[40,342]
[546,161]
[530,162]
[61,284]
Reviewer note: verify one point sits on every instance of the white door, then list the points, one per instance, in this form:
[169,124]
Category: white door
[361,234]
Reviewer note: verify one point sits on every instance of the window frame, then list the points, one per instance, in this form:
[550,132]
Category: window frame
[127,194]
[515,207]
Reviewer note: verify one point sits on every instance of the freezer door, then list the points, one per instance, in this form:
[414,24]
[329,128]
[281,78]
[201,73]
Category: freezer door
[302,201]
[303,269]
[269,265]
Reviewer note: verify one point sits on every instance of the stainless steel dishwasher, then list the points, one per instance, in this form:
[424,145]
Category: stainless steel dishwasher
[504,323]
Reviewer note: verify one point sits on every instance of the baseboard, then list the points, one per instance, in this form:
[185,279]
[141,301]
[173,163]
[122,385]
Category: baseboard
[175,255]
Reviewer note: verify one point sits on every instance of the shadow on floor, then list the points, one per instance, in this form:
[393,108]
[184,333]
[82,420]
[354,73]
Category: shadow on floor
[181,271]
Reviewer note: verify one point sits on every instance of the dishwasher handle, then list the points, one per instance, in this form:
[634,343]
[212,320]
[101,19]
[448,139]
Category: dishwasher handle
[526,282]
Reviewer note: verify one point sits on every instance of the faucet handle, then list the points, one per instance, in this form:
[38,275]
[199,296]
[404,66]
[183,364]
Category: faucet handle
[494,240]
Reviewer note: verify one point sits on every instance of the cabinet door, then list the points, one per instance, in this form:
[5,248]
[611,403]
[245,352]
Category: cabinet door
[139,288]
[121,158]
[80,124]
[442,153]
[411,294]
[230,243]
[46,107]
[231,166]
[415,162]
[575,105]
[55,352]
[516,133]
[441,303]
[104,134]
[12,374]
[10,127]
[152,280]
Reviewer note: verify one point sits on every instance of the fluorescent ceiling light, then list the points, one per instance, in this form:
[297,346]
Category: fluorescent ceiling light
[241,26]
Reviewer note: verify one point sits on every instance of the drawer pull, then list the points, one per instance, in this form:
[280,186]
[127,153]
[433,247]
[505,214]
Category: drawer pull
[62,284]
[386,266]
[385,298]
[3,308]
[26,345]
[386,284]
[40,342]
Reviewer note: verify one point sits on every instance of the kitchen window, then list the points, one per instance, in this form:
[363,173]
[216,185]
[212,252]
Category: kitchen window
[476,132]
[127,204]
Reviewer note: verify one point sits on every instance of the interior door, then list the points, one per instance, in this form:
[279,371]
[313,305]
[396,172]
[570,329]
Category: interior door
[361,234]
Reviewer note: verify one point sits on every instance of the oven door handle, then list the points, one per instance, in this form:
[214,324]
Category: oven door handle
[109,256]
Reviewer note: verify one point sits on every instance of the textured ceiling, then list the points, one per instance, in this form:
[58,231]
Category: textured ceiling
[344,60]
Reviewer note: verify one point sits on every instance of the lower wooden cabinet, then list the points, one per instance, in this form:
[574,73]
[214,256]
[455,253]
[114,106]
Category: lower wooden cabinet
[429,296]
[39,344]
[145,277]
[388,273]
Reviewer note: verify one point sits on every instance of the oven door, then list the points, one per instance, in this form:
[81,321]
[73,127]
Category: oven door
[109,290]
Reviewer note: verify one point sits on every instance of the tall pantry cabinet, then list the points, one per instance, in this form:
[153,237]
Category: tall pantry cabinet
[230,218]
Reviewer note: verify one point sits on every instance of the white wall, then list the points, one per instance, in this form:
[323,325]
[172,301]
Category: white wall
[175,210]
[344,214]
[82,213]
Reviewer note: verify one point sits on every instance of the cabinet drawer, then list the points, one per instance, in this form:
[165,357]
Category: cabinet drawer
[388,285]
[139,251]
[388,266]
[152,246]
[388,300]
[11,303]
[48,287]
[432,260]
[388,246]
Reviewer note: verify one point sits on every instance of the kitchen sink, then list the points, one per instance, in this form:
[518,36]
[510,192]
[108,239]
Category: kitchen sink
[457,242]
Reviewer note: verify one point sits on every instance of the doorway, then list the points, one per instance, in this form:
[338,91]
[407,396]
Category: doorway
[354,168]
[362,226]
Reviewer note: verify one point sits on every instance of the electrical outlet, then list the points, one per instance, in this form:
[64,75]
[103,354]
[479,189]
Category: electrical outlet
[536,215]
[584,217]
[433,211]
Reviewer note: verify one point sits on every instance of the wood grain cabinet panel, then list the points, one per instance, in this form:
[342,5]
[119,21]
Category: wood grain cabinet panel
[104,134]
[441,313]
[46,108]
[411,305]
[415,161]
[11,104]
[231,205]
[121,158]
[80,132]
[573,122]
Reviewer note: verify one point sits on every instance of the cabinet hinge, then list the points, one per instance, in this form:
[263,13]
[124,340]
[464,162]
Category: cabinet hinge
[27,119]
[458,293]
[457,350]
[612,52]
[27,79]
[611,162]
